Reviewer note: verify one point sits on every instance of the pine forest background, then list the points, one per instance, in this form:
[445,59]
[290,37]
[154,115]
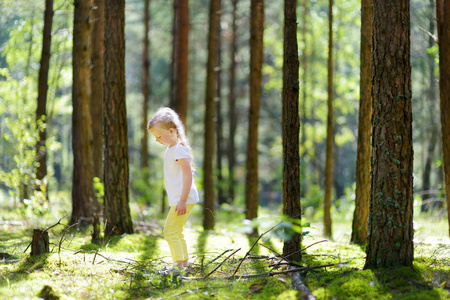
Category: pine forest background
[21,25]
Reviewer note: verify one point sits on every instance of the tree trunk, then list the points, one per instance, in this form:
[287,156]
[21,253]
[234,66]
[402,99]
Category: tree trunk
[182,59]
[431,97]
[390,236]
[97,78]
[145,86]
[232,107]
[256,59]
[291,129]
[361,213]
[180,51]
[41,114]
[82,188]
[116,174]
[443,22]
[96,228]
[173,65]
[330,134]
[316,169]
[219,121]
[304,62]
[208,182]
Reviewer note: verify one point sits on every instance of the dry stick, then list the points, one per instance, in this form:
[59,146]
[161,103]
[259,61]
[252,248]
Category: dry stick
[221,263]
[84,255]
[93,261]
[248,252]
[64,248]
[218,257]
[64,233]
[258,257]
[59,222]
[96,253]
[270,273]
[314,244]
[283,257]
[272,250]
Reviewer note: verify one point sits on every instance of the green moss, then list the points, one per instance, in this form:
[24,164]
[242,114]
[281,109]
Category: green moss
[128,271]
[396,161]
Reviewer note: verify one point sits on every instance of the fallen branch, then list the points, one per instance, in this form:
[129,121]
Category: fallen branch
[314,244]
[221,263]
[267,274]
[96,253]
[248,252]
[271,250]
[64,233]
[226,251]
[283,257]
[258,257]
[59,222]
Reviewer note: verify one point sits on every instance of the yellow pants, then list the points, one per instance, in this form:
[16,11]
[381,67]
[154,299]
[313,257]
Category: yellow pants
[173,233]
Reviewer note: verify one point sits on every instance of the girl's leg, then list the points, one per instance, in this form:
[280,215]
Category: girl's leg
[173,233]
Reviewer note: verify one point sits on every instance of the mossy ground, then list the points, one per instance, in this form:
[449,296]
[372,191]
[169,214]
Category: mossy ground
[125,267]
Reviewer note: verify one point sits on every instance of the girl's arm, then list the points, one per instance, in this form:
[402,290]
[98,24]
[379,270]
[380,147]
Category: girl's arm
[185,165]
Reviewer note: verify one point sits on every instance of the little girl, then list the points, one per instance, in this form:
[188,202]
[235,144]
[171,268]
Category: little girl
[182,193]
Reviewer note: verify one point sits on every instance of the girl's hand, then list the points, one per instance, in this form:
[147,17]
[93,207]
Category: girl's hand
[180,209]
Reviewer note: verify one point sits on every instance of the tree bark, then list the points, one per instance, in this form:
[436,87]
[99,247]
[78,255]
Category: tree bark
[291,129]
[432,130]
[443,24]
[304,63]
[390,236]
[208,182]
[182,59]
[145,85]
[173,65]
[256,59]
[219,120]
[330,134]
[116,174]
[82,188]
[361,213]
[41,114]
[97,78]
[232,107]
[180,51]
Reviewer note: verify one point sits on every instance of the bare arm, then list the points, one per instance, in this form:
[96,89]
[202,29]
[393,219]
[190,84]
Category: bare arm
[185,165]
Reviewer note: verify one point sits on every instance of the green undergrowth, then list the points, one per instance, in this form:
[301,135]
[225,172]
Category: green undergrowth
[127,267]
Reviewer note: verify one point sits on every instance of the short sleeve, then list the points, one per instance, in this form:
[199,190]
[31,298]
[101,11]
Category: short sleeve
[181,152]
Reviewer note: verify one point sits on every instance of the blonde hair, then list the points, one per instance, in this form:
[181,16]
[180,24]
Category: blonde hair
[166,118]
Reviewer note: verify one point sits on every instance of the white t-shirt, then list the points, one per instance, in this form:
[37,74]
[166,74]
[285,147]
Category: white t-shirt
[173,175]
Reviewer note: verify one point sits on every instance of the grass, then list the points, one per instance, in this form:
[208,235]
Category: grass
[126,267]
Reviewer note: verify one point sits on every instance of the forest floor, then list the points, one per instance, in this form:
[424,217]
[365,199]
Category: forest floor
[126,267]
